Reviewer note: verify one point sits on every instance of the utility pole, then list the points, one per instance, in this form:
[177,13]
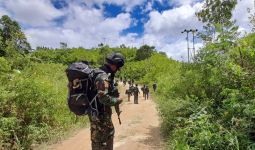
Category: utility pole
[187,38]
[193,31]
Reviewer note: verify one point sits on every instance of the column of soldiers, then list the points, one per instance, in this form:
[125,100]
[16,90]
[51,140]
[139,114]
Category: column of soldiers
[134,91]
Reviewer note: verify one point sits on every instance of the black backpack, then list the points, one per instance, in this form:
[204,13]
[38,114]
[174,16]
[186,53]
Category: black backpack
[81,84]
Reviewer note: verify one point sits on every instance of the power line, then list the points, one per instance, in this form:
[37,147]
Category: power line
[193,31]
[187,38]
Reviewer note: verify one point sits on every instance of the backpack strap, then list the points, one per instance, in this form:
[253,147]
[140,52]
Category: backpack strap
[92,77]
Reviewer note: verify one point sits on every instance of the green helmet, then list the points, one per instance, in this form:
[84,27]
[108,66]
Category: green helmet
[116,59]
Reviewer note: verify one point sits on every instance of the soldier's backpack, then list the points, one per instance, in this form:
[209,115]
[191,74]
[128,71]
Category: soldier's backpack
[80,85]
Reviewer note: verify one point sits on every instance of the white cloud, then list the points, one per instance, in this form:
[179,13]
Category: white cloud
[3,12]
[148,7]
[179,3]
[164,29]
[87,27]
[240,14]
[32,12]
[172,22]
[127,4]
[83,27]
[178,50]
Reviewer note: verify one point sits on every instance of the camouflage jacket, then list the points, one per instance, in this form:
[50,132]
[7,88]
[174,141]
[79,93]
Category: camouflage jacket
[105,88]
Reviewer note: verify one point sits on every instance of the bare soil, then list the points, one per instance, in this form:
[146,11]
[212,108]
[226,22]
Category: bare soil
[140,128]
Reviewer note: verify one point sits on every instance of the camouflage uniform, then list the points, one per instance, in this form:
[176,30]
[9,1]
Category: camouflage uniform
[102,129]
[146,92]
[154,86]
[101,126]
[129,93]
[136,92]
[142,88]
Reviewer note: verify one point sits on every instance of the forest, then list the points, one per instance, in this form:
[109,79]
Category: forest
[208,103]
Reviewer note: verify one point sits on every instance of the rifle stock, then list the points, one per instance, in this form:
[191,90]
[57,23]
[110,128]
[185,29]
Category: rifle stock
[116,94]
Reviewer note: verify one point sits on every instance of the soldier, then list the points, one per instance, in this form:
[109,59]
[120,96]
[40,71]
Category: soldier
[129,92]
[129,82]
[154,86]
[142,89]
[136,92]
[132,81]
[102,129]
[146,92]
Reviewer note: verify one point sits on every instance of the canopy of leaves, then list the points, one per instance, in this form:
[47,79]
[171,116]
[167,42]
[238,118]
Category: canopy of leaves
[216,14]
[144,52]
[12,39]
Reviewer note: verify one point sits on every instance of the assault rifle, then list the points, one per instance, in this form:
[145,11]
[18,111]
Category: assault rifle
[115,93]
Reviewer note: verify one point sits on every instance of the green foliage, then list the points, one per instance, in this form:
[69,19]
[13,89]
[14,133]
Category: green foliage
[12,39]
[147,71]
[209,104]
[217,11]
[4,67]
[144,52]
[212,104]
[217,16]
[33,106]
[65,56]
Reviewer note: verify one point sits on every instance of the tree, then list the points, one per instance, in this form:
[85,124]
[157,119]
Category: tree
[144,52]
[163,53]
[103,51]
[11,35]
[217,16]
[100,45]
[122,46]
[252,17]
[63,45]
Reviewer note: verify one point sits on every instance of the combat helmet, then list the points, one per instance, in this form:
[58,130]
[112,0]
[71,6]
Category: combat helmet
[116,59]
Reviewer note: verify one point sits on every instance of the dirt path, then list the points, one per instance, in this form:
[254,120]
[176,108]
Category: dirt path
[139,129]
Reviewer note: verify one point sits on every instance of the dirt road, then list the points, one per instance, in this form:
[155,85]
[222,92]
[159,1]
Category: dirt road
[139,129]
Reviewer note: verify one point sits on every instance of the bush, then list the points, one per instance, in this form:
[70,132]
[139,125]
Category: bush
[34,106]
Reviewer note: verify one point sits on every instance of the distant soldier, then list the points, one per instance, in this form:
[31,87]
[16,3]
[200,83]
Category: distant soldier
[154,86]
[142,89]
[129,82]
[131,87]
[146,92]
[136,92]
[129,92]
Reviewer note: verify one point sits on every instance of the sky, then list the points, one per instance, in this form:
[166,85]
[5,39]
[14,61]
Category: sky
[86,23]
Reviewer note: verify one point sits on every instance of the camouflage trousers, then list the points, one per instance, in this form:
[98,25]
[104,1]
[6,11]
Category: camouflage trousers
[108,145]
[135,99]
[102,132]
[146,96]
